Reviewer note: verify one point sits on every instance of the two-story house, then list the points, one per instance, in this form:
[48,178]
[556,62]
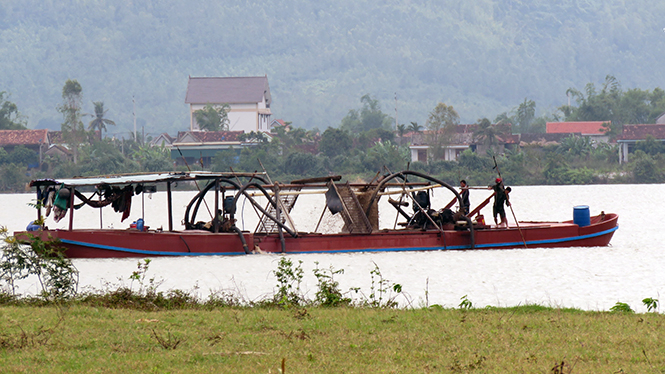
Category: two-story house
[248,98]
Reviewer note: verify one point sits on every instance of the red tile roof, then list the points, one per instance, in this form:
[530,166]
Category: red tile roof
[640,132]
[23,137]
[585,128]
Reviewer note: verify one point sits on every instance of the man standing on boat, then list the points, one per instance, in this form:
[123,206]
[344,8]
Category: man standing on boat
[464,193]
[500,197]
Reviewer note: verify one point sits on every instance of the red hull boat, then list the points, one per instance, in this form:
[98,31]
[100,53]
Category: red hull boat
[276,236]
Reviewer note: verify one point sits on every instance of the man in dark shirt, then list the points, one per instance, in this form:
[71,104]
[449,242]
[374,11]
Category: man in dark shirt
[500,198]
[464,193]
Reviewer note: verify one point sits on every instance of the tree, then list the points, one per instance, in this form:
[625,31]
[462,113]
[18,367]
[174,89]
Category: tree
[526,112]
[72,128]
[367,118]
[335,142]
[153,158]
[489,135]
[10,118]
[213,117]
[22,156]
[441,124]
[401,129]
[99,123]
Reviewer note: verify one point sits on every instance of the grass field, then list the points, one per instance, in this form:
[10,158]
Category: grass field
[529,339]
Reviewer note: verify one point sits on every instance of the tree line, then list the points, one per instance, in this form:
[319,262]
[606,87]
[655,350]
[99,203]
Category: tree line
[365,143]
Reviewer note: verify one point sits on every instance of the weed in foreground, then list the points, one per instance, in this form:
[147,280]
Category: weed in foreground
[620,307]
[651,304]
[46,260]
[328,293]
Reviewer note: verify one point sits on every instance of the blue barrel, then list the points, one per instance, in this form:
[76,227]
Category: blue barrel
[581,216]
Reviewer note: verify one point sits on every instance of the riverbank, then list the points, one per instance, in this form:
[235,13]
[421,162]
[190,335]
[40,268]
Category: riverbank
[79,338]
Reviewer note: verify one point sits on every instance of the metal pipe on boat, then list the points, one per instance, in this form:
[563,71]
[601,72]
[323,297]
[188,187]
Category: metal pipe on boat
[169,204]
[243,191]
[71,208]
[278,212]
[215,220]
[242,239]
[421,175]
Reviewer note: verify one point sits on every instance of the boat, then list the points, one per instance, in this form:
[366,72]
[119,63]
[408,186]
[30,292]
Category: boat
[423,227]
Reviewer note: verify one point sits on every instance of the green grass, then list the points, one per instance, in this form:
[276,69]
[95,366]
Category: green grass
[529,339]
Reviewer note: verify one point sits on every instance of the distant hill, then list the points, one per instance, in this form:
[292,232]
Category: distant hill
[482,57]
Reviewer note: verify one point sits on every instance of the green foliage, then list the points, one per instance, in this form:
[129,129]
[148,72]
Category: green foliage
[44,259]
[474,162]
[651,304]
[213,117]
[99,123]
[441,125]
[367,118]
[151,159]
[328,293]
[301,163]
[644,168]
[612,104]
[576,146]
[10,118]
[13,178]
[650,146]
[73,132]
[22,156]
[620,307]
[335,142]
[465,303]
[382,291]
[101,157]
[225,159]
[289,278]
[386,154]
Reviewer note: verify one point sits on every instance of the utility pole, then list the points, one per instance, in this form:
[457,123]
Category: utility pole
[395,111]
[134,114]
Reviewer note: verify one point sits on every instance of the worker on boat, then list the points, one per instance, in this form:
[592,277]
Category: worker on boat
[500,198]
[464,193]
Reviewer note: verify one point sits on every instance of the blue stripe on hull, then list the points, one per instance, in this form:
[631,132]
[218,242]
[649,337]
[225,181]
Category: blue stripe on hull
[533,243]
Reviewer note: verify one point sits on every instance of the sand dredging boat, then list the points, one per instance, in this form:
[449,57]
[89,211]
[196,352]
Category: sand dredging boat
[422,227]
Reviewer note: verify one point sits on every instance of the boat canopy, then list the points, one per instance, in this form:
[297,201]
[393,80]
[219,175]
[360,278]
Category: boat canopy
[123,179]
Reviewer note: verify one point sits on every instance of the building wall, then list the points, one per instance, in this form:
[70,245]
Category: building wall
[242,117]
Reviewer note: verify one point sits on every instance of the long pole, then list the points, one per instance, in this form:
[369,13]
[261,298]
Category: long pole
[496,166]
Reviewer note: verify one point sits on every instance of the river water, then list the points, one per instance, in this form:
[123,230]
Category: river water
[629,270]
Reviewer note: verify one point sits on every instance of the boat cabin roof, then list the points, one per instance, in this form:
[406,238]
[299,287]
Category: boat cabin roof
[123,179]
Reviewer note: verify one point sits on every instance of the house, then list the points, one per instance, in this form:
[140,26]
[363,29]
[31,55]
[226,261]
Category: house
[248,98]
[36,140]
[162,140]
[192,147]
[541,140]
[632,134]
[591,129]
[661,119]
[31,139]
[58,151]
[277,123]
[461,139]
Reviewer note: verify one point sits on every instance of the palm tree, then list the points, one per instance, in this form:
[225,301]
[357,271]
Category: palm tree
[99,123]
[414,127]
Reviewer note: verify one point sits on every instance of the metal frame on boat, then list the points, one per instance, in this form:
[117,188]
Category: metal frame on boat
[423,229]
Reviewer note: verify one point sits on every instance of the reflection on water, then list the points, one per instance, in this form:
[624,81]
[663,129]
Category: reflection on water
[588,278]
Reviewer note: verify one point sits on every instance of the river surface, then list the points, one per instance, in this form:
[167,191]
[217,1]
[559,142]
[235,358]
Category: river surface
[630,269]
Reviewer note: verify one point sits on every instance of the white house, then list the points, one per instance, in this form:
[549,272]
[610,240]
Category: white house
[248,97]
